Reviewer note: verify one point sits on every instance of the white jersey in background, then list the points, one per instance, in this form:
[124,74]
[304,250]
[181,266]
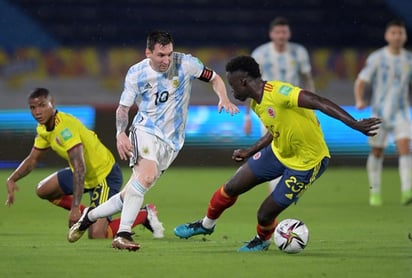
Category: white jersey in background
[390,76]
[162,98]
[283,66]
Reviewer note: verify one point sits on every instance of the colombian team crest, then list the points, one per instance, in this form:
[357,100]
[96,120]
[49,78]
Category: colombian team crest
[271,112]
[257,155]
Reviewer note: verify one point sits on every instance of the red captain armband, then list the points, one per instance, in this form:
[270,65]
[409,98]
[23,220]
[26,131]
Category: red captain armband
[206,75]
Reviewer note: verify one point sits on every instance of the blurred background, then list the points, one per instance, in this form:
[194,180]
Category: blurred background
[81,49]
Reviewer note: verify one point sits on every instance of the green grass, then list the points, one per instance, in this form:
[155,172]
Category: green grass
[348,238]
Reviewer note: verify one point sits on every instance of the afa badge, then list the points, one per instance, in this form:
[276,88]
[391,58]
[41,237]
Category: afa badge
[145,150]
[175,82]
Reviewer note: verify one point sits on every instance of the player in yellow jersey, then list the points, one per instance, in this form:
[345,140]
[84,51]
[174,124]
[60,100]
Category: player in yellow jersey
[92,168]
[293,148]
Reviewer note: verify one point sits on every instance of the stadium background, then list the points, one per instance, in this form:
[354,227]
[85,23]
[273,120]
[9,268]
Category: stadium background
[81,50]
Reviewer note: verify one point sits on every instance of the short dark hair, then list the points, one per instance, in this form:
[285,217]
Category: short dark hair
[244,63]
[278,21]
[158,36]
[395,22]
[39,92]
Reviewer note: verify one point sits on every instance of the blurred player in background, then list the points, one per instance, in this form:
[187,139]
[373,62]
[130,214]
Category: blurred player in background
[282,60]
[92,167]
[389,71]
[294,148]
[160,86]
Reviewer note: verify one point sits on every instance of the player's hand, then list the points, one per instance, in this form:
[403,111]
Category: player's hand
[11,187]
[368,126]
[240,155]
[228,106]
[74,216]
[124,147]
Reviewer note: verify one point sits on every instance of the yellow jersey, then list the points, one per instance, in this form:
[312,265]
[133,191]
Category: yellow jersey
[69,132]
[298,140]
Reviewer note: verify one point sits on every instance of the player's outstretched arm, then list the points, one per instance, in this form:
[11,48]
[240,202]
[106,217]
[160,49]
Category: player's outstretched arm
[310,100]
[220,90]
[25,168]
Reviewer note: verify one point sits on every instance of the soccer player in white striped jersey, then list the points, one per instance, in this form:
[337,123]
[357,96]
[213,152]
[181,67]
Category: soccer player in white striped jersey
[160,86]
[282,60]
[389,71]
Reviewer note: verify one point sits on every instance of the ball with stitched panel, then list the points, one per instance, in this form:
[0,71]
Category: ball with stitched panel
[291,235]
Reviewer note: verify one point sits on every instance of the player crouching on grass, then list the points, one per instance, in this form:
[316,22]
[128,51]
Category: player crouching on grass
[92,168]
[293,148]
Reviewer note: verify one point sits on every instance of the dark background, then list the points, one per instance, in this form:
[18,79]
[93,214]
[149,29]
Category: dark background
[199,23]
[49,24]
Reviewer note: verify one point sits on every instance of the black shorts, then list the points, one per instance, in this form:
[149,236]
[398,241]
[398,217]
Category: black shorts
[110,186]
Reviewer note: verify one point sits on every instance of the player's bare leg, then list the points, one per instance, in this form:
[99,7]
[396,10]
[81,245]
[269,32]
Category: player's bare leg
[405,166]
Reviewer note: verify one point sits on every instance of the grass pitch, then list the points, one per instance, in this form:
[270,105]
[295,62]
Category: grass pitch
[348,238]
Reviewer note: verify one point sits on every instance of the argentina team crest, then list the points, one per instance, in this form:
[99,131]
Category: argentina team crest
[145,150]
[175,82]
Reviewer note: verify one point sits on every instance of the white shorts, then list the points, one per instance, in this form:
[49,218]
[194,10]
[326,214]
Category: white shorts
[151,147]
[401,130]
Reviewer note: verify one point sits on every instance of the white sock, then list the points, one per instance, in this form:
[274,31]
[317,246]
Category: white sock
[208,223]
[374,168]
[405,169]
[106,209]
[273,184]
[133,200]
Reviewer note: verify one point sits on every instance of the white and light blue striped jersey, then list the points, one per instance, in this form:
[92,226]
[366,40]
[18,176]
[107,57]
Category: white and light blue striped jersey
[285,66]
[162,98]
[390,76]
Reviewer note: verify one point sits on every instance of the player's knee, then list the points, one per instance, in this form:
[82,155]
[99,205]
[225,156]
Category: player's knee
[147,180]
[377,152]
[146,173]
[41,191]
[150,179]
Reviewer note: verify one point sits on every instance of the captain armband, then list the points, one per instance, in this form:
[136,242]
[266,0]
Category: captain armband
[207,74]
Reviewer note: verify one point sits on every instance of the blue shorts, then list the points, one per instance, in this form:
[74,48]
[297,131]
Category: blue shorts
[266,167]
[101,192]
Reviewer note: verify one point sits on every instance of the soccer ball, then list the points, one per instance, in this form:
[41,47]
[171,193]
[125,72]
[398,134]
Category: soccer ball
[291,235]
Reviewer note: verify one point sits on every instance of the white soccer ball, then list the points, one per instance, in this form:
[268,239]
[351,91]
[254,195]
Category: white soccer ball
[291,235]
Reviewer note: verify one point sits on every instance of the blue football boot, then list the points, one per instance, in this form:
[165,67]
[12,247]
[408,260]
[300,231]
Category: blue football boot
[192,229]
[256,244]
